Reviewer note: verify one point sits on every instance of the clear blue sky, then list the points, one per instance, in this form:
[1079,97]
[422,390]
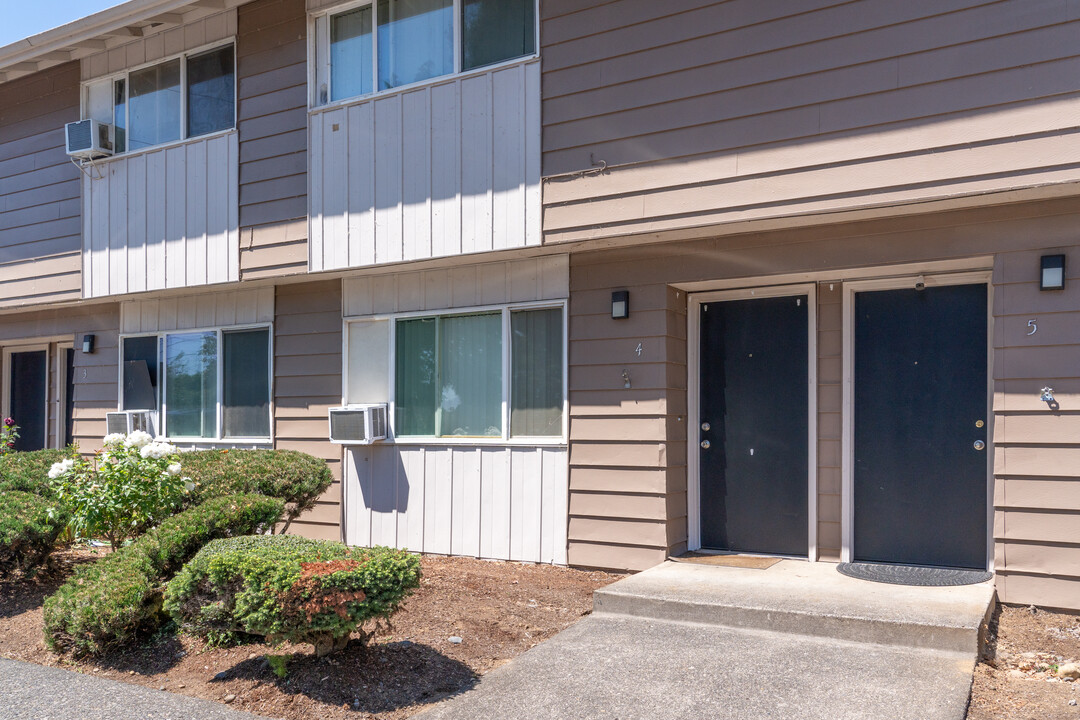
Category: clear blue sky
[22,18]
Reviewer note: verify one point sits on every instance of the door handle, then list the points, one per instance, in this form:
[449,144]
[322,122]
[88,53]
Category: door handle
[979,445]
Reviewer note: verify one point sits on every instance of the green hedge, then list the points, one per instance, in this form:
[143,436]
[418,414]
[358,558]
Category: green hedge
[284,587]
[28,531]
[29,471]
[109,602]
[295,477]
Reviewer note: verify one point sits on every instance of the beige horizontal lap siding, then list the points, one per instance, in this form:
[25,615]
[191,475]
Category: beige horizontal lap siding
[39,189]
[272,92]
[735,110]
[95,380]
[307,383]
[1037,448]
[627,445]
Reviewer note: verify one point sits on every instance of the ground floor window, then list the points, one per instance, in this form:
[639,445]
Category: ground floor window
[202,384]
[490,373]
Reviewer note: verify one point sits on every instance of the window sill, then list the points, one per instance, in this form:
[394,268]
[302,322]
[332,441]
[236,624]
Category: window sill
[216,442]
[163,146]
[432,82]
[556,442]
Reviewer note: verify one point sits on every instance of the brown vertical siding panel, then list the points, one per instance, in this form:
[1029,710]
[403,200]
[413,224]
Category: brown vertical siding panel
[40,231]
[307,382]
[272,82]
[829,350]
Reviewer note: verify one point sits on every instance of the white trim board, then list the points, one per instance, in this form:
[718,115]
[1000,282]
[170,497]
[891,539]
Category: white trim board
[693,485]
[847,455]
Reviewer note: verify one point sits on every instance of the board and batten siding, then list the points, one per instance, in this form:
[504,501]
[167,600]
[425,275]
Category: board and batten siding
[206,310]
[164,218]
[723,111]
[271,60]
[483,500]
[307,383]
[39,189]
[446,169]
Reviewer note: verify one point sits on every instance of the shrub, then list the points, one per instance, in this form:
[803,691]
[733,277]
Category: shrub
[284,587]
[9,434]
[295,477]
[29,471]
[29,527]
[111,601]
[133,483]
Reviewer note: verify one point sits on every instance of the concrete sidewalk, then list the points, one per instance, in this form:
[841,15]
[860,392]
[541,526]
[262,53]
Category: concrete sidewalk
[35,692]
[795,641]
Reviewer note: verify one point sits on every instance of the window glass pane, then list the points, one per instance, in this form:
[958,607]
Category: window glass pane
[350,54]
[369,362]
[536,372]
[496,30]
[415,377]
[191,385]
[120,115]
[154,105]
[211,92]
[141,373]
[416,41]
[246,383]
[470,365]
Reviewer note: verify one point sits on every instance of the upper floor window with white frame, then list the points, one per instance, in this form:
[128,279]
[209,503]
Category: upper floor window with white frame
[184,97]
[380,45]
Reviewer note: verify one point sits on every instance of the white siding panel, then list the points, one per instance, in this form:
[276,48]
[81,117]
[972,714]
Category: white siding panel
[213,309]
[506,503]
[448,169]
[493,283]
[164,219]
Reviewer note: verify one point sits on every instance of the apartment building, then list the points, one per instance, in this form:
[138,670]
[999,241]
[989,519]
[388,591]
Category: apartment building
[631,279]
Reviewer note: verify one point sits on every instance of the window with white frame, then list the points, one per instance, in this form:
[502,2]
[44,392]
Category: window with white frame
[184,97]
[379,45]
[493,373]
[204,384]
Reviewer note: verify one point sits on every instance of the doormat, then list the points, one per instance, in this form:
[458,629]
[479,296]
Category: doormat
[911,575]
[754,562]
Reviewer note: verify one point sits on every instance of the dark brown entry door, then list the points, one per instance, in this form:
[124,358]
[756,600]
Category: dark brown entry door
[28,388]
[920,403]
[753,440]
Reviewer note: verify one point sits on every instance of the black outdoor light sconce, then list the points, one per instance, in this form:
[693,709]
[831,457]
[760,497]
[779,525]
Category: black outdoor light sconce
[1052,276]
[88,344]
[620,304]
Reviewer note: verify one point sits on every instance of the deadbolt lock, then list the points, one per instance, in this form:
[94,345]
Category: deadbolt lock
[980,445]
[706,426]
[705,444]
[979,423]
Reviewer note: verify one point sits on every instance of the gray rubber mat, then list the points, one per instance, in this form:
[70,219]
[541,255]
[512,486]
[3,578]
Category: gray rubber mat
[911,575]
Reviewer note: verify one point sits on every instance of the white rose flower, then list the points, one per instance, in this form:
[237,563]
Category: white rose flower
[173,469]
[157,450]
[138,439]
[189,486]
[60,468]
[114,439]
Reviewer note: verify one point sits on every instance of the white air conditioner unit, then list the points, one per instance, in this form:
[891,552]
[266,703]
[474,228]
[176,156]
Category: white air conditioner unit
[89,139]
[129,421]
[358,424]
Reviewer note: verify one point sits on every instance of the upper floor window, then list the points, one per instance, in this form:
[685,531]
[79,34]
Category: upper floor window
[184,97]
[385,44]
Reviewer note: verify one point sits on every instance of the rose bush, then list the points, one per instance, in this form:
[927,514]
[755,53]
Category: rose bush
[9,433]
[129,486]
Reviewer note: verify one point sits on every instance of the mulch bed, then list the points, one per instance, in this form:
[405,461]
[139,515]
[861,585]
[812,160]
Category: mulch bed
[1016,680]
[498,610]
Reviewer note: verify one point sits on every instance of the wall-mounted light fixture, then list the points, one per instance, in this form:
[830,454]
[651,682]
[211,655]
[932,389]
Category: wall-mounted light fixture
[1052,276]
[88,344]
[620,304]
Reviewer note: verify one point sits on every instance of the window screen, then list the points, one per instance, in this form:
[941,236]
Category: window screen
[536,373]
[416,377]
[141,373]
[497,30]
[191,385]
[246,383]
[351,54]
[154,105]
[416,41]
[211,92]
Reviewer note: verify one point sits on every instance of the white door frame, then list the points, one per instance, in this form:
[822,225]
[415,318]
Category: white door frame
[21,348]
[847,529]
[693,484]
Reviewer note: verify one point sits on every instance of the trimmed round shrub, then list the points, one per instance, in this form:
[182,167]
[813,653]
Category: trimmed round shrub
[295,477]
[288,588]
[111,601]
[29,526]
[29,471]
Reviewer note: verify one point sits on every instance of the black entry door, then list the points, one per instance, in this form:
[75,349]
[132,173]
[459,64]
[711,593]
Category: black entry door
[754,402]
[28,387]
[920,426]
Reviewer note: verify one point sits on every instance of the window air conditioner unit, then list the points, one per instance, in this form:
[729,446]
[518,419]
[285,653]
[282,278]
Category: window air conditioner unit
[358,424]
[129,421]
[89,139]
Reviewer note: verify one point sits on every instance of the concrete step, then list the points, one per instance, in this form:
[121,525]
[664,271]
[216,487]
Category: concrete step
[806,599]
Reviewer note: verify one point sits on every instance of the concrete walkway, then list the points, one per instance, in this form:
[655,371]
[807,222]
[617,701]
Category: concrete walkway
[685,641]
[35,692]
